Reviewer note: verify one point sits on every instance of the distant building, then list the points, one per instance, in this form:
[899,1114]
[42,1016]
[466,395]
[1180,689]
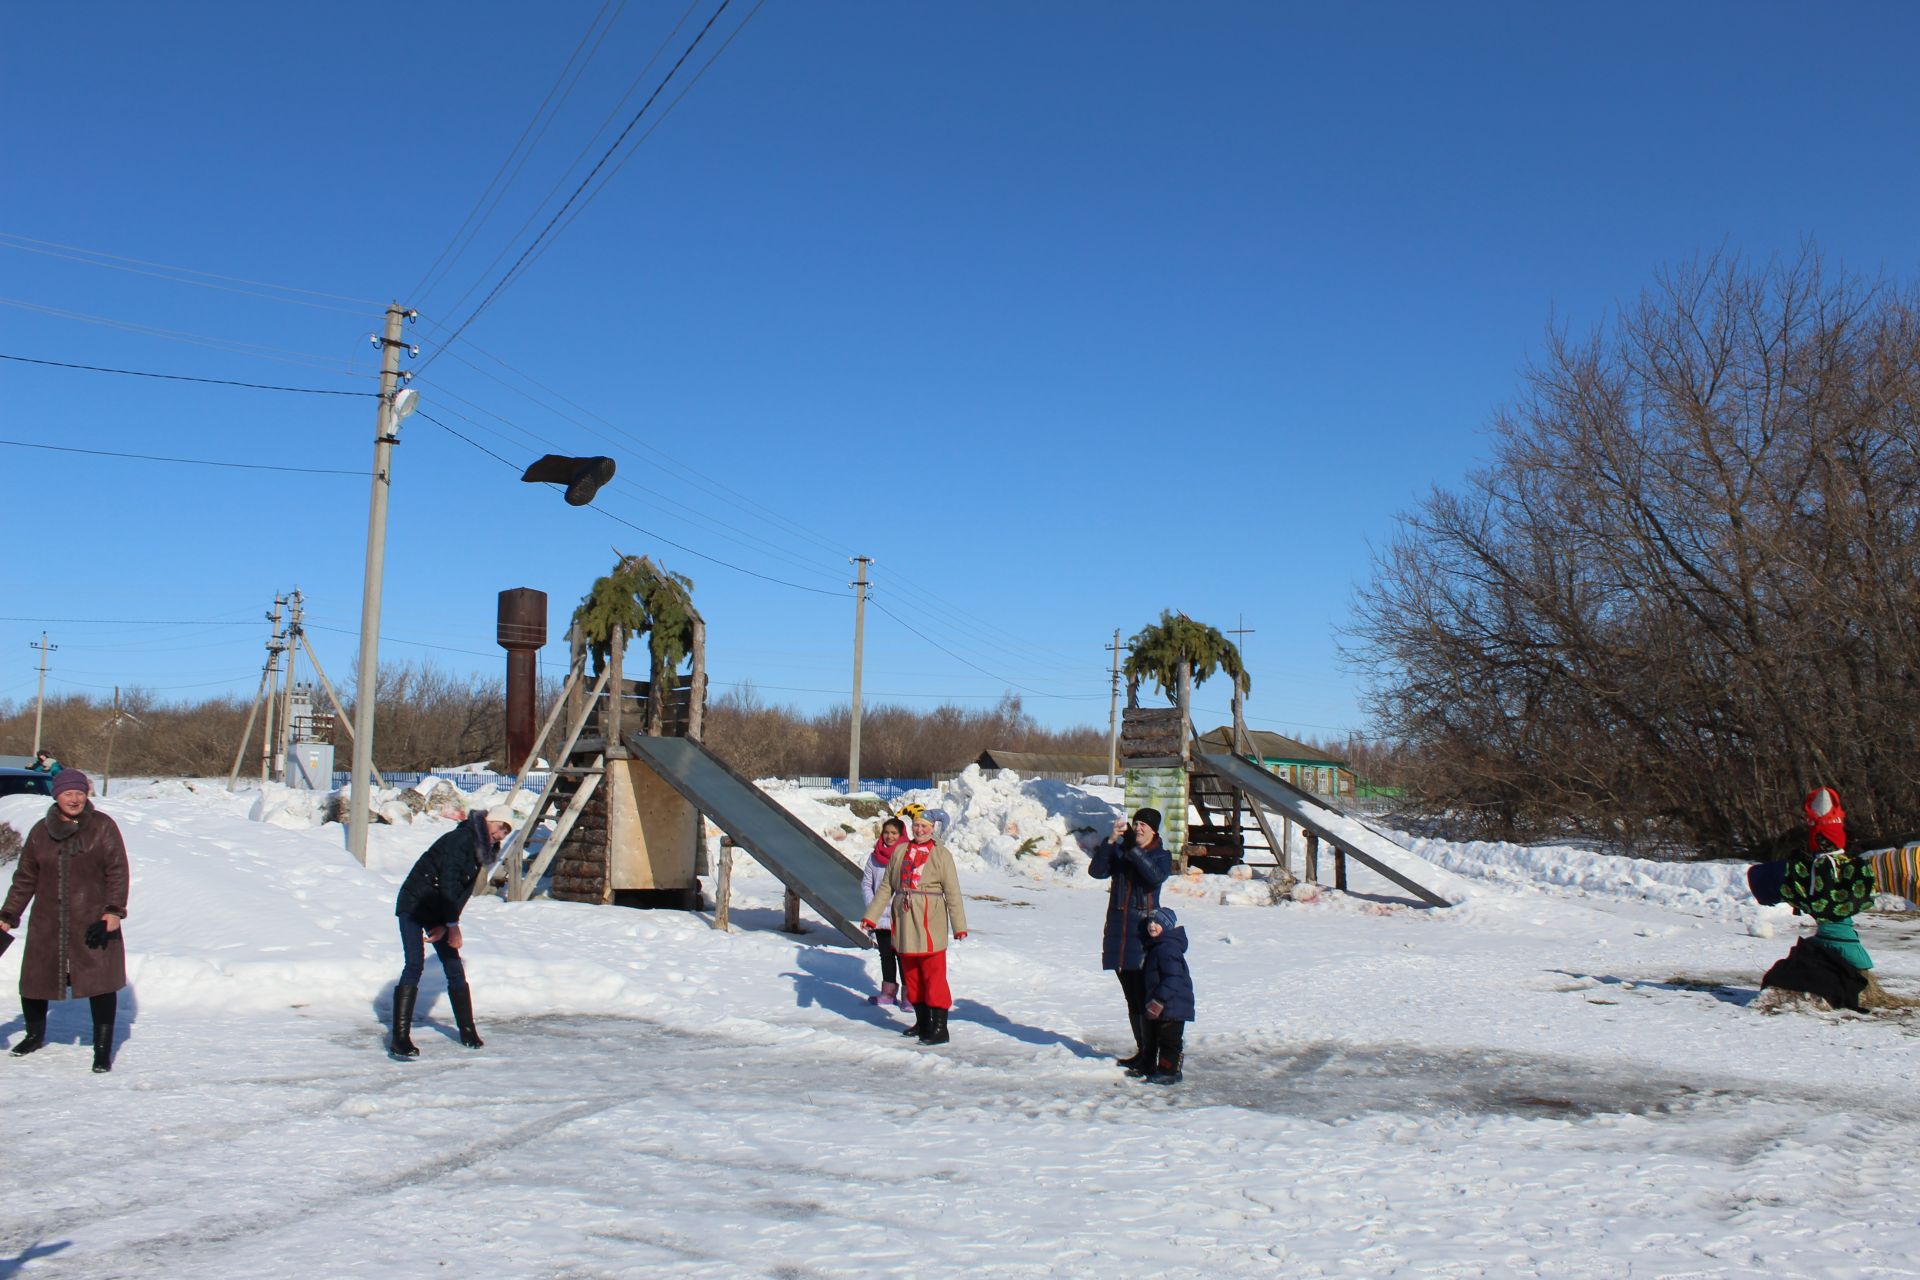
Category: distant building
[1060,766]
[1298,763]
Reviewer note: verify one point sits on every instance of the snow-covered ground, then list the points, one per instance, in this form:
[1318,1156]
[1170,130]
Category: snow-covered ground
[1561,1076]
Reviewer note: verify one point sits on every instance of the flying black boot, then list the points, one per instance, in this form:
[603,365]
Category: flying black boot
[401,1043]
[462,998]
[936,1032]
[102,1048]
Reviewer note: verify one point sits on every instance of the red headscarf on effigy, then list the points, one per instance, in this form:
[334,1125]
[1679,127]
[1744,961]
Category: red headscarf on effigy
[1825,818]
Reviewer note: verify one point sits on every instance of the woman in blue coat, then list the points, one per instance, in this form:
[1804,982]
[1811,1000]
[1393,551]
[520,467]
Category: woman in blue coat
[1137,863]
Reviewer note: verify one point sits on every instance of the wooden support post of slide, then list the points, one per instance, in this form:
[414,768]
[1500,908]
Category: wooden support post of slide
[1311,872]
[792,922]
[723,890]
[1340,867]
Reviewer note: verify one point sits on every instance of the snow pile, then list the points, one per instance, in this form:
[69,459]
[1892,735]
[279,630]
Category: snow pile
[432,798]
[1041,829]
[1715,889]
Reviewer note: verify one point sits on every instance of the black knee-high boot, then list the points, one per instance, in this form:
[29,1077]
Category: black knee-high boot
[461,998]
[919,1027]
[105,1008]
[401,1043]
[34,1013]
[936,1032]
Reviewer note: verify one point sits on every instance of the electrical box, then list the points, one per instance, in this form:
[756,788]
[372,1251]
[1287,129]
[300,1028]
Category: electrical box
[310,766]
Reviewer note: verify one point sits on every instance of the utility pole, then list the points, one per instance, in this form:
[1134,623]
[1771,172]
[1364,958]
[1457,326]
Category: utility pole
[1113,713]
[386,436]
[859,585]
[1240,735]
[285,743]
[274,645]
[40,698]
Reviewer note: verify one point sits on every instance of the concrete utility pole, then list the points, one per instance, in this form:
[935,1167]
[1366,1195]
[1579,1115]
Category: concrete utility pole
[285,743]
[361,797]
[1113,713]
[40,698]
[859,585]
[274,645]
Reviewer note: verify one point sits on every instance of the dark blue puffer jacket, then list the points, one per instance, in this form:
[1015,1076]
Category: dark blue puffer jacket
[1137,875]
[1165,975]
[436,890]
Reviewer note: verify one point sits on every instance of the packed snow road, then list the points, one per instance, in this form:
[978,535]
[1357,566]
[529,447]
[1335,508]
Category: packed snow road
[588,1146]
[1538,1082]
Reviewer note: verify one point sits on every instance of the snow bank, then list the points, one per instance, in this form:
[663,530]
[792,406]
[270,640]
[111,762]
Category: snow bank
[1040,828]
[1714,889]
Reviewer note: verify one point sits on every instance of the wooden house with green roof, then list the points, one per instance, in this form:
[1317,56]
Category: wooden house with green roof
[1296,762]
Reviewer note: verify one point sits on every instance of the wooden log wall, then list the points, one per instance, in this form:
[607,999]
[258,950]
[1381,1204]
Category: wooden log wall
[580,872]
[1147,732]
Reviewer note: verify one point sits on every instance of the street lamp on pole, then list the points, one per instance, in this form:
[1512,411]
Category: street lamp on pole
[394,406]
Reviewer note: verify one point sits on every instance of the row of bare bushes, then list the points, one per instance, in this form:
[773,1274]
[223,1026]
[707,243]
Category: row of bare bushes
[424,718]
[763,740]
[1686,589]
[427,718]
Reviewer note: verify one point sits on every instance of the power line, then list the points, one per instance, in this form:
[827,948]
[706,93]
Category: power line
[197,462]
[575,194]
[752,573]
[678,546]
[585,150]
[135,622]
[49,248]
[304,359]
[976,666]
[664,115]
[421,290]
[738,537]
[181,377]
[418,644]
[456,435]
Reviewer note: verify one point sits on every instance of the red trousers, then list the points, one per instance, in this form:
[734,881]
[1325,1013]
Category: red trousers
[926,979]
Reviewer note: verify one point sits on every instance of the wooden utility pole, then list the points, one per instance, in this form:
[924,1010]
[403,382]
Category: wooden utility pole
[246,734]
[40,697]
[1242,741]
[340,713]
[113,731]
[859,585]
[1113,714]
[360,801]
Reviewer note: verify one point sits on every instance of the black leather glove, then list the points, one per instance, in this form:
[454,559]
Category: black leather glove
[97,935]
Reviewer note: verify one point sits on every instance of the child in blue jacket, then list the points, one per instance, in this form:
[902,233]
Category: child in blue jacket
[1169,990]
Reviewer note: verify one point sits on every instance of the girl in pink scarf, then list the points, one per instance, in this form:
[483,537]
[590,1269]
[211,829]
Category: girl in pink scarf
[893,836]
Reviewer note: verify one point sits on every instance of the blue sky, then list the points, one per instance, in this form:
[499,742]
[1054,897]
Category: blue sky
[1063,312]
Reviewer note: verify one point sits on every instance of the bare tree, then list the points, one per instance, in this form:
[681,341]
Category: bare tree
[1683,592]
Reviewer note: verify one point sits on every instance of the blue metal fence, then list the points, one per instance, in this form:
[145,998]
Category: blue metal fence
[885,788]
[464,781]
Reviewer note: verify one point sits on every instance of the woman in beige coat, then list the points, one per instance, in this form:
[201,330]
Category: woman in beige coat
[929,907]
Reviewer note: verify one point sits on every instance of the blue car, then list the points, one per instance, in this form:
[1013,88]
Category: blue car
[24,782]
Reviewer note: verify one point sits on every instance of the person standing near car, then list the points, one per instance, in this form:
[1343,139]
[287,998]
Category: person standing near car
[73,870]
[43,762]
[1137,863]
